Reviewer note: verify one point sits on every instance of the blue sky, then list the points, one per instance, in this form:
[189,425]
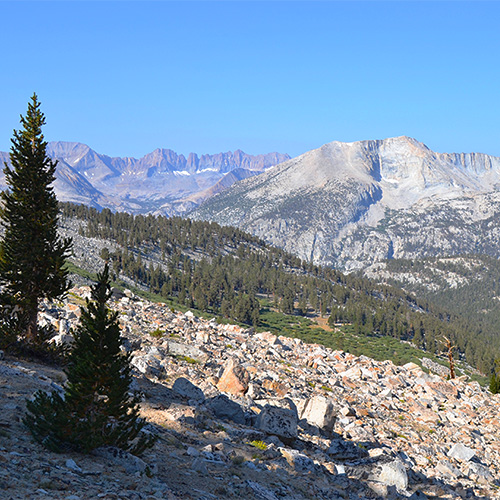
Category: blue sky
[128,77]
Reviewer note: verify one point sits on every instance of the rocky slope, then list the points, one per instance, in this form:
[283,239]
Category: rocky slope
[159,182]
[348,204]
[241,414]
[440,274]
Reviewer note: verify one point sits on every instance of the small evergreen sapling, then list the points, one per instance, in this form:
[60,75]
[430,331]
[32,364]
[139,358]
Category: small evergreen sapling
[97,409]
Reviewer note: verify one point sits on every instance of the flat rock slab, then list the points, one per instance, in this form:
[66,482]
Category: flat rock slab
[461,452]
[222,407]
[189,351]
[186,388]
[394,474]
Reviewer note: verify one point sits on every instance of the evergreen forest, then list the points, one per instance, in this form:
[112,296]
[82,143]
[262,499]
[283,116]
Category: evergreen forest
[230,274]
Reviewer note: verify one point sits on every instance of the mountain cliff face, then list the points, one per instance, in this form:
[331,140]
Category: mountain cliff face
[158,182]
[348,204]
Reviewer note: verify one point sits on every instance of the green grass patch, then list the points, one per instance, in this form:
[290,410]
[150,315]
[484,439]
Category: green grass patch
[157,333]
[187,359]
[284,324]
[74,269]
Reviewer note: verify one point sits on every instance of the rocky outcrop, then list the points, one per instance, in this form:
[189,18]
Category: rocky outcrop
[280,422]
[234,379]
[349,427]
[320,411]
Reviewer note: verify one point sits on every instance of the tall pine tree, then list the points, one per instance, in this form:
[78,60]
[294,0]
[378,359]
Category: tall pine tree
[97,408]
[32,255]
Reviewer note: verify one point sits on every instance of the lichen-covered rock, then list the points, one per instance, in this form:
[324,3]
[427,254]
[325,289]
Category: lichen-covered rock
[281,422]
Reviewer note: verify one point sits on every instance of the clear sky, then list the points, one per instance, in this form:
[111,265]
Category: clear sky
[129,77]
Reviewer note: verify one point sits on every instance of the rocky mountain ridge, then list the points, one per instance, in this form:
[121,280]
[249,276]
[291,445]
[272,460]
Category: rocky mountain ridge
[348,204]
[162,182]
[241,414]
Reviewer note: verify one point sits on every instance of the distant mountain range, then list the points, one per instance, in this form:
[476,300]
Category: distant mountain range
[345,205]
[162,182]
[350,204]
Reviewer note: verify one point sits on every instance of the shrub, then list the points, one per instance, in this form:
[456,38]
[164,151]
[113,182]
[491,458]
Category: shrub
[258,444]
[96,409]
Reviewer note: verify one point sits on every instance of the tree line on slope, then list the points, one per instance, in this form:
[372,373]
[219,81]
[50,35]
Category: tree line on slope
[224,271]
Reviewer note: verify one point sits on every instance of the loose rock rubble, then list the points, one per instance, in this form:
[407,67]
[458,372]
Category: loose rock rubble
[241,414]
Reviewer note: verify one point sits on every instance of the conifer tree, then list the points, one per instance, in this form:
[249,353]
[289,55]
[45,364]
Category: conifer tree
[97,409]
[494,383]
[32,255]
[495,378]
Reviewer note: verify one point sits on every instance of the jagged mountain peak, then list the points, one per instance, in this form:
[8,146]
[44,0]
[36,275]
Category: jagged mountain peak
[401,162]
[159,182]
[70,152]
[405,140]
[163,152]
[399,142]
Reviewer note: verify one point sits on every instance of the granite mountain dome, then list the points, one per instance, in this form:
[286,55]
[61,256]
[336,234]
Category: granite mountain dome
[347,204]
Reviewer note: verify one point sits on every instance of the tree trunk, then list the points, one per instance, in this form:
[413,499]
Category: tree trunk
[32,328]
